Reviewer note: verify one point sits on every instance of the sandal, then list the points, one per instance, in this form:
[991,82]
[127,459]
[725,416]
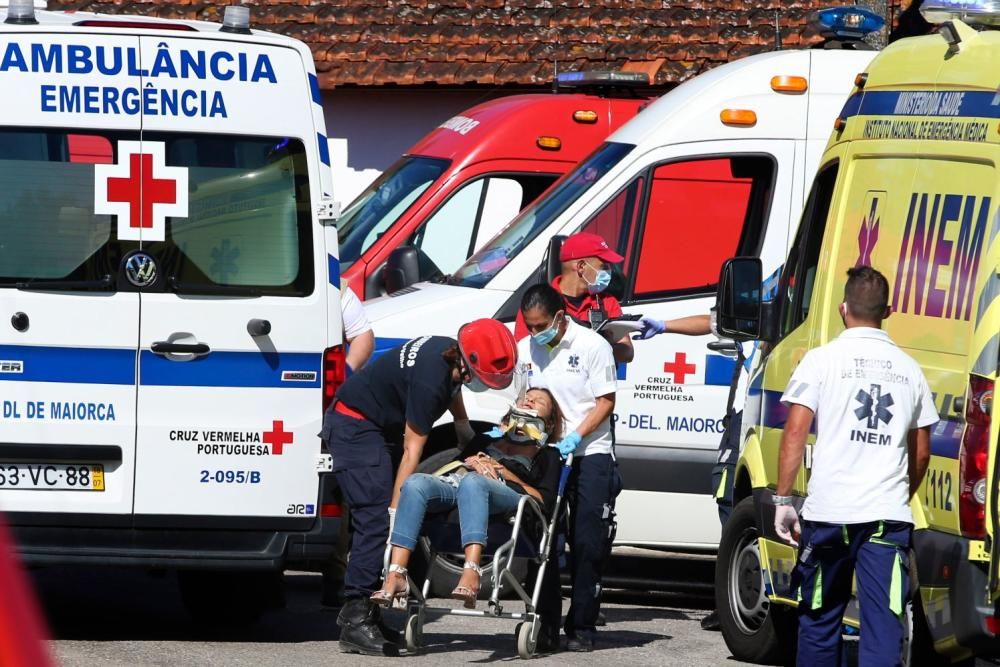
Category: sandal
[466,594]
[397,598]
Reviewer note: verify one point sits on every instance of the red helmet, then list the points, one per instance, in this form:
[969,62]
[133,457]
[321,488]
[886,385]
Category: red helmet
[489,350]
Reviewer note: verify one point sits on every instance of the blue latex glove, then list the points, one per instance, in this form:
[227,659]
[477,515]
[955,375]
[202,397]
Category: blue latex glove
[650,328]
[568,445]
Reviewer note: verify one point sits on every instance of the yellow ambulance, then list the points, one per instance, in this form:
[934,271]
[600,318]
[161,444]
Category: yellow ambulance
[909,184]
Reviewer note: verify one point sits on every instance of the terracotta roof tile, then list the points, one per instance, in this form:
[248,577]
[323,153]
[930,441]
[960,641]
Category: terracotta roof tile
[496,42]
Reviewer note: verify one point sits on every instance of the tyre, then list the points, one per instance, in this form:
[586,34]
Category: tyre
[230,600]
[753,628]
[527,639]
[445,569]
[414,633]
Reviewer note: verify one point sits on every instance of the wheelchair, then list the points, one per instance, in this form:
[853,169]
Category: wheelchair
[528,533]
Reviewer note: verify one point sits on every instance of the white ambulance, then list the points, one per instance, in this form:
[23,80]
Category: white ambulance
[170,327]
[717,167]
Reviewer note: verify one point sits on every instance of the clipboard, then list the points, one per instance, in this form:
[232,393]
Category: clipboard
[616,328]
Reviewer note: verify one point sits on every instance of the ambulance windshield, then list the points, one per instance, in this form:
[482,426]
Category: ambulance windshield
[213,211]
[487,262]
[381,204]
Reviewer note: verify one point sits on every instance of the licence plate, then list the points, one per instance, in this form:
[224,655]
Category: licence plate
[51,477]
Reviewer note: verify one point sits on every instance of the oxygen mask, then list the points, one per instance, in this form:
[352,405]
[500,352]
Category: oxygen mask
[523,425]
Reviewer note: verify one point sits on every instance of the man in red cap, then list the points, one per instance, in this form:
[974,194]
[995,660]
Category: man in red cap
[586,274]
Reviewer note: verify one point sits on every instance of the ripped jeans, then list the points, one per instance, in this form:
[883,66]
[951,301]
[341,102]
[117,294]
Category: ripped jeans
[477,498]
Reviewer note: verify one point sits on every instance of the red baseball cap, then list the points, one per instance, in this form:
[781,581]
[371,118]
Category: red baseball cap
[585,244]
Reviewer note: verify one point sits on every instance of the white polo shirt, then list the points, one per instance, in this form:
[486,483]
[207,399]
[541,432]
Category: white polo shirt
[867,395]
[355,320]
[577,370]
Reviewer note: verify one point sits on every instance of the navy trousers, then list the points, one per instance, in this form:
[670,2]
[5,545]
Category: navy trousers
[593,486]
[878,554]
[363,467]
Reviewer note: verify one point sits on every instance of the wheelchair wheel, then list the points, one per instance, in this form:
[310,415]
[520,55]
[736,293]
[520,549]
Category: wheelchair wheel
[414,633]
[527,639]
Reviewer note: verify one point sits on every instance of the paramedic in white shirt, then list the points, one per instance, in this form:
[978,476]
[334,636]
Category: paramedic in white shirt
[873,412]
[360,340]
[577,365]
[358,332]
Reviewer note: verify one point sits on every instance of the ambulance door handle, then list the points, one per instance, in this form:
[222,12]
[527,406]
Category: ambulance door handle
[164,347]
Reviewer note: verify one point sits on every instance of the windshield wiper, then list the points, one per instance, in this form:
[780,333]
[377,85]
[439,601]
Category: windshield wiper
[59,285]
[217,290]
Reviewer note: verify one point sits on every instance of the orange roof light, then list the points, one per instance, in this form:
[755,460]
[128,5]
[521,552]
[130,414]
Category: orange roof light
[582,116]
[839,124]
[549,143]
[743,117]
[789,84]
[861,79]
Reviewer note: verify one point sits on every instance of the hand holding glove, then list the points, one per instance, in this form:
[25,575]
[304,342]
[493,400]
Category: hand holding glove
[650,328]
[464,431]
[786,524]
[568,445]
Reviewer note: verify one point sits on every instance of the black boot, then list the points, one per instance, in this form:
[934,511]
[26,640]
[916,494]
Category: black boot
[391,635]
[359,631]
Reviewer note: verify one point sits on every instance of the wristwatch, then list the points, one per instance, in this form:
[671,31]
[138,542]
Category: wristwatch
[783,500]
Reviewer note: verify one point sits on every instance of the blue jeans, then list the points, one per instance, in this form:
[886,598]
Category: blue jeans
[477,498]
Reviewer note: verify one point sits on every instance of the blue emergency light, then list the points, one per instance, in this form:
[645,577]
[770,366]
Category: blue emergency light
[847,22]
[973,12]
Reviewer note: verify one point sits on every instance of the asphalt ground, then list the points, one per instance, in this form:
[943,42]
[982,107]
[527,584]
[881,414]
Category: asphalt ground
[104,616]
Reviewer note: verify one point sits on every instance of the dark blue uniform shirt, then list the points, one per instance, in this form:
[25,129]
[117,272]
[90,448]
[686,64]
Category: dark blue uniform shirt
[410,383]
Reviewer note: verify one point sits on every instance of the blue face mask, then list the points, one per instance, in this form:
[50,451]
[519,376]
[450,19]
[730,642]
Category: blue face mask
[601,281]
[545,337]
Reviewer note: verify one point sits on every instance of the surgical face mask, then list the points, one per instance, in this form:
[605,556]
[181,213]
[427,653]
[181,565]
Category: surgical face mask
[545,337]
[602,279]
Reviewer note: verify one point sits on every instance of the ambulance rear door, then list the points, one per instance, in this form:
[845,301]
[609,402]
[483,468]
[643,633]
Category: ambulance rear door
[234,327]
[69,331]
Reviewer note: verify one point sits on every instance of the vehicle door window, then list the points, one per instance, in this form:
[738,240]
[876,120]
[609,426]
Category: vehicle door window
[799,275]
[473,215]
[699,213]
[614,223]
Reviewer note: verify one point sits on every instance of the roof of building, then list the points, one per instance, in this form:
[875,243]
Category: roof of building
[498,42]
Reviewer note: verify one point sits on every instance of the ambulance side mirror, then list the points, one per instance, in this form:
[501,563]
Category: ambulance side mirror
[402,269]
[739,314]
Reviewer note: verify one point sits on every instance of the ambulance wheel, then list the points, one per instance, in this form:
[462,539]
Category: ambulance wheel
[414,634]
[527,639]
[223,599]
[753,628]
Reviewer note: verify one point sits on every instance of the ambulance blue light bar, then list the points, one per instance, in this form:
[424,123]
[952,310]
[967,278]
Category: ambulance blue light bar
[973,12]
[847,22]
[592,78]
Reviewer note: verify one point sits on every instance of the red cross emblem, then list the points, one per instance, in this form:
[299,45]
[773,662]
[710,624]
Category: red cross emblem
[141,190]
[278,437]
[679,367]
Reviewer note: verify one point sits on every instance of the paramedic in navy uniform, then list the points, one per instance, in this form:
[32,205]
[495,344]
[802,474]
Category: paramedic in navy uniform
[394,402]
[874,411]
[577,365]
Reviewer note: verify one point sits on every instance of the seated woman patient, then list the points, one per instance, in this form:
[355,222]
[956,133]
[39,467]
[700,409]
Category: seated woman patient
[489,477]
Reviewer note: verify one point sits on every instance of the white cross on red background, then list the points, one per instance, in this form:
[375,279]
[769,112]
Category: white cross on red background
[141,190]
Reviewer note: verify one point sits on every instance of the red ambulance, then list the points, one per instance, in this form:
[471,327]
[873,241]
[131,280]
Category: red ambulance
[459,185]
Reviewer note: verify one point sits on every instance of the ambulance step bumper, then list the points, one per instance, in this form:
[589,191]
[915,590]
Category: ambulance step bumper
[175,542]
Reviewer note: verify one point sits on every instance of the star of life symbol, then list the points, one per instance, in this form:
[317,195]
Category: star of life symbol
[868,233]
[874,406]
[574,361]
[141,190]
